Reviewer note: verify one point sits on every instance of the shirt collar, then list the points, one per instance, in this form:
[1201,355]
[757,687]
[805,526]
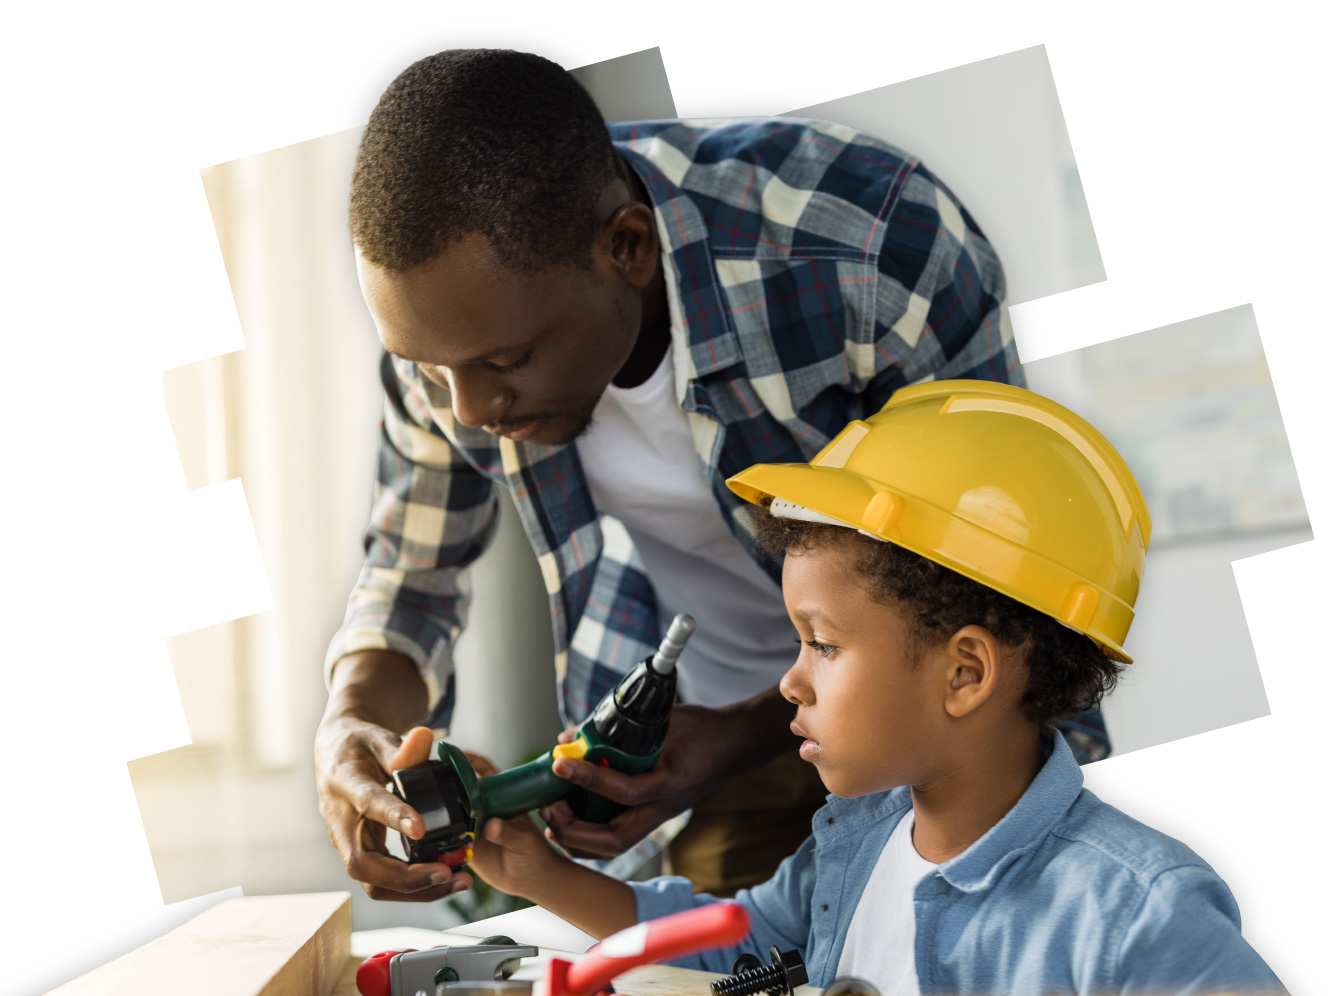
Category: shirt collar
[700,323]
[1039,809]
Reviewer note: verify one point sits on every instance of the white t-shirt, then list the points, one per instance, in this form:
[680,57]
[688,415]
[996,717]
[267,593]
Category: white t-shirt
[879,946]
[643,469]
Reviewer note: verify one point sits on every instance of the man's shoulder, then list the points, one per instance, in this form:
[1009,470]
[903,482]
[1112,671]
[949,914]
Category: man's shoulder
[713,140]
[776,165]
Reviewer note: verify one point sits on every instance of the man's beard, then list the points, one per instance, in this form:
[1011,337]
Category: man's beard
[580,423]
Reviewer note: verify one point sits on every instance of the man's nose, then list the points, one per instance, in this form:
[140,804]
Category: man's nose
[477,400]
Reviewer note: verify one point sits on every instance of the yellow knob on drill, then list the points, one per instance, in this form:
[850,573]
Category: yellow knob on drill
[577,749]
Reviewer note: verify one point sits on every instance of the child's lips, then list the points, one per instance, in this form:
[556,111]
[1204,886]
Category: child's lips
[810,748]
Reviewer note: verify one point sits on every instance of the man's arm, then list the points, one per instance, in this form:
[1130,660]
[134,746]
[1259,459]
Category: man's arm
[376,695]
[433,514]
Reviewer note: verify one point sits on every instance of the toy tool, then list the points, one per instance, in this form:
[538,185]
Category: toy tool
[478,971]
[749,976]
[625,732]
[406,973]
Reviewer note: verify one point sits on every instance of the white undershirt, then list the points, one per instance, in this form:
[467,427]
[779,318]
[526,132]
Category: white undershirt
[879,946]
[643,469]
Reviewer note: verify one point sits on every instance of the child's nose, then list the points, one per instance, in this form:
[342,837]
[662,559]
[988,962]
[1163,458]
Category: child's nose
[794,686]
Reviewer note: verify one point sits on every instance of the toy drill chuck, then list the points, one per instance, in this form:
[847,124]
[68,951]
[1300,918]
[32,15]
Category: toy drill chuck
[667,654]
[625,732]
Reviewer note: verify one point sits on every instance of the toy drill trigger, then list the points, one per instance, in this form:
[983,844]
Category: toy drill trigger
[576,748]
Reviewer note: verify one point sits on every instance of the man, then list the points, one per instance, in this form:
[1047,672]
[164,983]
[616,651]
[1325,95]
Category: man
[714,297]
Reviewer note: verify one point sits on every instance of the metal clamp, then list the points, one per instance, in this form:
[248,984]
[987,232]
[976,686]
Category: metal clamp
[435,970]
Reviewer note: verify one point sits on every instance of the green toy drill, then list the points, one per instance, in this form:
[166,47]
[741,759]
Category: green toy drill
[626,732]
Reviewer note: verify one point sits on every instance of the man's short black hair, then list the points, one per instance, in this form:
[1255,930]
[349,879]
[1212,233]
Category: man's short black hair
[504,144]
[1068,672]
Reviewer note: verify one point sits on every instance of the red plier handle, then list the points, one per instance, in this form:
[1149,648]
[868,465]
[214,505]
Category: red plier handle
[713,926]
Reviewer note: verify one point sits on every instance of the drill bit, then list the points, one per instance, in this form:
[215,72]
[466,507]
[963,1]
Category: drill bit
[681,628]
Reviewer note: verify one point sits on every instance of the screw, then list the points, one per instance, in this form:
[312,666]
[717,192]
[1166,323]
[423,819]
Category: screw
[785,972]
[746,962]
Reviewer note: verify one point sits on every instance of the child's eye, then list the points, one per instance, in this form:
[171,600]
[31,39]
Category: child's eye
[510,367]
[825,649]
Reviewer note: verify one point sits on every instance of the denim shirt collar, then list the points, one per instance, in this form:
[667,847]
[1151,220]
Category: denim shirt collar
[851,833]
[1040,808]
[1043,805]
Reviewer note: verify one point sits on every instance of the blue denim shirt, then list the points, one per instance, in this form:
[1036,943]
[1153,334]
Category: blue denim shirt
[1065,894]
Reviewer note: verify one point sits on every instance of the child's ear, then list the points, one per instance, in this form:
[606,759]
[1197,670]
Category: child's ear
[974,664]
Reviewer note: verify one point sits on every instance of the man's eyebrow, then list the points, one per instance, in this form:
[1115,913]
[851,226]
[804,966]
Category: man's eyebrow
[471,361]
[487,357]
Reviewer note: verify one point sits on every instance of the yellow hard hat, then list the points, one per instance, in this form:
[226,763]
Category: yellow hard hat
[993,481]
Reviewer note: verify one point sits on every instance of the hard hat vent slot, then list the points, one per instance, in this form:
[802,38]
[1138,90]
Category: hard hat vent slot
[883,512]
[1079,606]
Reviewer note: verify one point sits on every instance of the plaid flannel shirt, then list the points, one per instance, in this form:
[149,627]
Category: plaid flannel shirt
[810,271]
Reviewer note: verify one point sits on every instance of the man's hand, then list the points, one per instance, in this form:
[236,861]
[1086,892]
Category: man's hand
[704,749]
[354,753]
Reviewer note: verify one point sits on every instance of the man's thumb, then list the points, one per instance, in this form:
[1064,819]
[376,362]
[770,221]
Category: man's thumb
[413,750]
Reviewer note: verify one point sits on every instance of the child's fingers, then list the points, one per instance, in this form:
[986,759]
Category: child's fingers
[513,835]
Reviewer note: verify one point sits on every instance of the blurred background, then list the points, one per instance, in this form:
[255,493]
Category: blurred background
[293,419]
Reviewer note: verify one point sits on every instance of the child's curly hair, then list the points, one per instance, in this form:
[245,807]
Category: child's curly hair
[1068,673]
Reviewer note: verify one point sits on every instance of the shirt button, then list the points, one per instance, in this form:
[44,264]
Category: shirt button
[831,819]
[825,907]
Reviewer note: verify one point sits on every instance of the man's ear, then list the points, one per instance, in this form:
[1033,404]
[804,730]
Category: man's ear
[628,238]
[974,665]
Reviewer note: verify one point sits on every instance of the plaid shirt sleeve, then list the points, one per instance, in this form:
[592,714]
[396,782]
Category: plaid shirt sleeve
[952,321]
[432,515]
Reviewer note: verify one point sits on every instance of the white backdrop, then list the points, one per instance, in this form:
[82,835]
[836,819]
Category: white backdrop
[1200,163]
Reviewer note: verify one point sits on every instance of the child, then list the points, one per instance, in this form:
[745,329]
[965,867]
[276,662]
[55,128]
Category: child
[961,569]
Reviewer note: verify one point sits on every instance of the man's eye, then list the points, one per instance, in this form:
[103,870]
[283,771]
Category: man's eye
[510,367]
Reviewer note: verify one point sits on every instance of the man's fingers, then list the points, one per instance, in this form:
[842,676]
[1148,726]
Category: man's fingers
[568,736]
[572,853]
[384,872]
[627,790]
[361,846]
[483,765]
[413,750]
[376,803]
[596,840]
[423,896]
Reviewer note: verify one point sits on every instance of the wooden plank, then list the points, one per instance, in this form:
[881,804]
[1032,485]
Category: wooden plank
[346,984]
[248,946]
[666,980]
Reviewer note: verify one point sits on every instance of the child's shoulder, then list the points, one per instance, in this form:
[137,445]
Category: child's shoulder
[1095,832]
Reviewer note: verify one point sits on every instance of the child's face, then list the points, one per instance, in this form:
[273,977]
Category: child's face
[873,718]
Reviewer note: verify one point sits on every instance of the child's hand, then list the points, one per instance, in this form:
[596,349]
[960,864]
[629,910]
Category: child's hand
[511,855]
